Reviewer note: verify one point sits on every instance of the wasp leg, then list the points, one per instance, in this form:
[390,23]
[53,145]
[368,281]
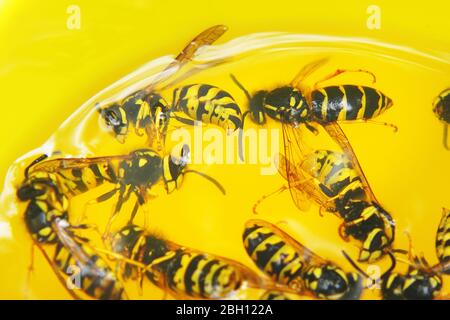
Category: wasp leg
[371,121]
[133,213]
[30,273]
[117,209]
[104,197]
[189,122]
[446,146]
[264,197]
[341,71]
[342,232]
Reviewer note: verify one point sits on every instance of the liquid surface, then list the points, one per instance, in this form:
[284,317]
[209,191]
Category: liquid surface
[407,170]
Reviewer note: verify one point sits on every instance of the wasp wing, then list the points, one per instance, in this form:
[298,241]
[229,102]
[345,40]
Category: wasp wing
[309,256]
[302,185]
[338,135]
[442,241]
[56,165]
[207,37]
[306,71]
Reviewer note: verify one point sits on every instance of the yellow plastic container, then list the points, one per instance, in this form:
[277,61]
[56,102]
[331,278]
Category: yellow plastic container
[57,56]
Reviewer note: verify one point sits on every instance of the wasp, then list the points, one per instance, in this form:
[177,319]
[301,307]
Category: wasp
[184,272]
[421,281]
[441,108]
[46,218]
[329,178]
[294,266]
[135,173]
[296,104]
[146,110]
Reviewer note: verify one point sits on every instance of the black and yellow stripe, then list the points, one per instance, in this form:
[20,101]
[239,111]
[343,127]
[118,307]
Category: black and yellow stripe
[417,284]
[208,104]
[285,104]
[45,202]
[368,223]
[145,113]
[75,181]
[92,273]
[363,220]
[273,255]
[290,264]
[443,240]
[185,272]
[200,275]
[335,174]
[347,102]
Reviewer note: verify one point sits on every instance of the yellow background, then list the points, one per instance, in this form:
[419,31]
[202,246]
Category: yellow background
[47,71]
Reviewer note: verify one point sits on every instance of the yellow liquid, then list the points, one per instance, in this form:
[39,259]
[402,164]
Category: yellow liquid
[406,169]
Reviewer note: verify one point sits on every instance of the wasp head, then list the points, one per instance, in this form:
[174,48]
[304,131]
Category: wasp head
[330,282]
[416,285]
[115,120]
[442,106]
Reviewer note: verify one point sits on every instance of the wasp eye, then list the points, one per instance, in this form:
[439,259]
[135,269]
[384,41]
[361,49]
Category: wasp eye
[111,117]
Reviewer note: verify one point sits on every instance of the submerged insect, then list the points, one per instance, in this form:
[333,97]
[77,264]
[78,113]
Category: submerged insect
[46,219]
[146,110]
[208,104]
[329,179]
[421,281]
[441,108]
[184,272]
[135,173]
[292,265]
[296,104]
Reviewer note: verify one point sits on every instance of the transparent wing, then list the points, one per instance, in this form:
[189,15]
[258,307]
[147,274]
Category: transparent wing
[442,238]
[307,70]
[335,131]
[55,165]
[307,254]
[207,37]
[302,185]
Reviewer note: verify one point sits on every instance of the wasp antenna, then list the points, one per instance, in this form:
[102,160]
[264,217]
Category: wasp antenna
[241,143]
[35,161]
[209,178]
[236,81]
[445,138]
[354,265]
[392,267]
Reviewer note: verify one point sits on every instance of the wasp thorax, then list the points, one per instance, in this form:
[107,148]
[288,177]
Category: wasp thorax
[257,107]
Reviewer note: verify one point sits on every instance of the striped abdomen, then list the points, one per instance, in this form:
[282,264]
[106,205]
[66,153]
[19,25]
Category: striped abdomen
[367,223]
[93,276]
[209,104]
[45,202]
[335,174]
[79,180]
[201,276]
[443,239]
[273,255]
[348,102]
